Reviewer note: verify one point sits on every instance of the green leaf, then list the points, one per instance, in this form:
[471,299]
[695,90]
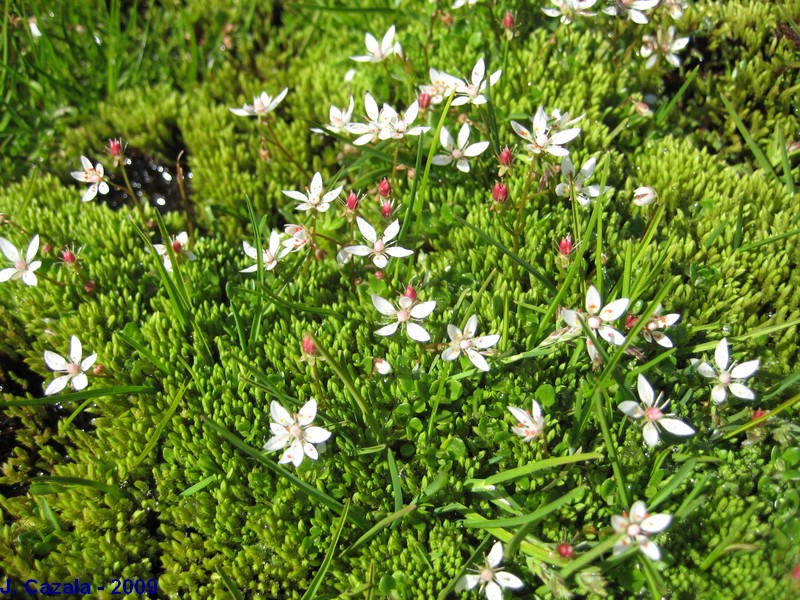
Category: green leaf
[121,390]
[151,443]
[761,159]
[311,592]
[548,463]
[203,483]
[229,584]
[380,525]
[53,485]
[536,515]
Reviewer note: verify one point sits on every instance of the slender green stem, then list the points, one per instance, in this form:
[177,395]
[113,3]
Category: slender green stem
[134,200]
[599,414]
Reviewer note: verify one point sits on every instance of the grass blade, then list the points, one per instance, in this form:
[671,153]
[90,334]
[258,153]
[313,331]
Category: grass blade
[82,395]
[380,525]
[202,484]
[397,491]
[678,478]
[54,484]
[536,515]
[234,591]
[160,428]
[761,159]
[311,592]
[541,465]
[130,335]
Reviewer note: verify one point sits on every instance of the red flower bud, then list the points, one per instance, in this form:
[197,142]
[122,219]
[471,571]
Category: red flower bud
[308,345]
[115,147]
[758,414]
[565,550]
[352,201]
[385,188]
[176,246]
[98,369]
[90,286]
[379,275]
[424,101]
[386,210]
[46,248]
[68,256]
[508,21]
[500,192]
[630,321]
[565,245]
[410,292]
[506,157]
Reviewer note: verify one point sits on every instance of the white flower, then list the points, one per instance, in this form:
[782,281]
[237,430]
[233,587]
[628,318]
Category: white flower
[530,425]
[94,176]
[598,318]
[261,105]
[726,376]
[339,119]
[442,85]
[653,414]
[312,200]
[269,257]
[369,132]
[676,8]
[569,9]
[379,52]
[663,44]
[381,366]
[75,368]
[179,247]
[472,92]
[408,310]
[379,248]
[299,236]
[631,9]
[491,577]
[458,153]
[576,181]
[296,432]
[397,125]
[651,332]
[637,526]
[461,3]
[24,267]
[466,342]
[543,138]
[642,196]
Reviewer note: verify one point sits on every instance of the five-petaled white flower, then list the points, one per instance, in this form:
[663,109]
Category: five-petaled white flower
[459,151]
[269,257]
[369,132]
[296,432]
[397,125]
[676,8]
[472,92]
[379,248]
[598,318]
[577,181]
[409,309]
[491,577]
[461,3]
[75,368]
[313,198]
[179,245]
[726,376]
[651,332]
[94,176]
[339,119]
[543,138]
[663,44]
[24,265]
[378,52]
[262,105]
[636,527]
[530,425]
[569,9]
[299,237]
[466,342]
[653,414]
[631,9]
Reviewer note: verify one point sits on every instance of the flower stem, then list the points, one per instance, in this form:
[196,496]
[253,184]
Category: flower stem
[132,194]
[610,448]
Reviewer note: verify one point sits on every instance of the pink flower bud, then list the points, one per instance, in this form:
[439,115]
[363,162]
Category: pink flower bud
[115,147]
[386,209]
[68,256]
[385,188]
[352,201]
[565,246]
[565,550]
[90,286]
[308,346]
[642,196]
[379,275]
[500,192]
[508,21]
[424,101]
[630,321]
[506,157]
[381,366]
[98,369]
[758,414]
[46,248]
[176,246]
[410,292]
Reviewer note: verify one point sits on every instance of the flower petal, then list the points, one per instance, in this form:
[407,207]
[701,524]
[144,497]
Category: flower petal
[316,435]
[485,341]
[745,370]
[638,511]
[719,394]
[306,414]
[650,433]
[467,582]
[706,370]
[280,415]
[421,311]
[495,556]
[648,548]
[721,354]
[474,150]
[507,580]
[80,381]
[614,310]
[451,353]
[611,335]
[277,442]
[88,362]
[463,136]
[592,300]
[417,333]
[55,361]
[493,591]
[387,329]
[741,391]
[645,390]
[656,523]
[391,231]
[631,408]
[384,306]
[75,350]
[58,384]
[9,250]
[477,360]
[676,427]
[33,248]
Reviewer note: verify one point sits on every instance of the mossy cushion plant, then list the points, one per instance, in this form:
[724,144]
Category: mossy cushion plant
[413,300]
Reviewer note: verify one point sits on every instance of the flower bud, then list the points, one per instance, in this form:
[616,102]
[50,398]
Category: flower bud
[176,246]
[410,292]
[642,196]
[308,345]
[630,321]
[380,275]
[506,157]
[115,148]
[565,246]
[508,21]
[385,188]
[758,414]
[352,201]
[90,286]
[565,550]
[386,210]
[68,256]
[320,254]
[46,248]
[98,369]
[500,193]
[381,366]
[424,101]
